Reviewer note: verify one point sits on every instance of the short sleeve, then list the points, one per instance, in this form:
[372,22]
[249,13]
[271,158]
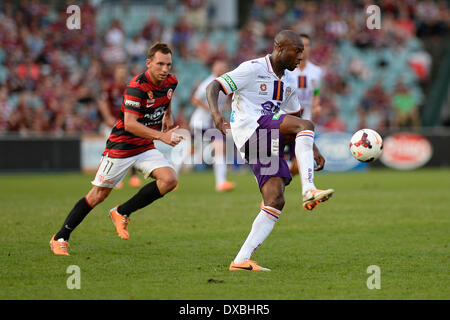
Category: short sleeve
[132,99]
[236,79]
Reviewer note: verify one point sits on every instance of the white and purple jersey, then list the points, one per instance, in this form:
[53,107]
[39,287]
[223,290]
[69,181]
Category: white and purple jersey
[257,92]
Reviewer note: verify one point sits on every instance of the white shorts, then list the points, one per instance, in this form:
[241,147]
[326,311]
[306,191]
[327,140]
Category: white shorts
[111,171]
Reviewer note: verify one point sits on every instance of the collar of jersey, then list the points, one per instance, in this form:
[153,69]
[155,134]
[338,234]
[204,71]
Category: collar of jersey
[269,67]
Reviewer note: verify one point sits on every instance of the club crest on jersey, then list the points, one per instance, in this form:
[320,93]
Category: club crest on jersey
[150,94]
[169,94]
[263,89]
[288,91]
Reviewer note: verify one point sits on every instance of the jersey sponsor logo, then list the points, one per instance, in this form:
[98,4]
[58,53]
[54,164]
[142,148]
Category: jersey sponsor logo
[132,103]
[155,117]
[229,81]
[150,103]
[269,107]
[262,77]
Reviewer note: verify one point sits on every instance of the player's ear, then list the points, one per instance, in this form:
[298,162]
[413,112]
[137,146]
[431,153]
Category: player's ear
[147,62]
[279,47]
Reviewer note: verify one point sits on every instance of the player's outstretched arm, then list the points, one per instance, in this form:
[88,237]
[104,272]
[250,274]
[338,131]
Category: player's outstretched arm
[212,95]
[132,125]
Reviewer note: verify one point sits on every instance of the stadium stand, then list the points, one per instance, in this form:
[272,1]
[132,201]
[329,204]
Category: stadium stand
[51,77]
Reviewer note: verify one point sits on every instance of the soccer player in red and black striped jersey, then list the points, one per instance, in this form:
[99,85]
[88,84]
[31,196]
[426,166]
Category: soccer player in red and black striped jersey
[145,116]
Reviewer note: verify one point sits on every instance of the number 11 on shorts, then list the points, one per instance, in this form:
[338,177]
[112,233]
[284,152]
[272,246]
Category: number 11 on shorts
[107,167]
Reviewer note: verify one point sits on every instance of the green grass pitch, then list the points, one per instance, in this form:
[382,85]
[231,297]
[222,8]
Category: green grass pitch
[180,247]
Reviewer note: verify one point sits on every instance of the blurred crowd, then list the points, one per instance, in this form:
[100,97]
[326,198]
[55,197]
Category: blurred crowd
[51,78]
[338,25]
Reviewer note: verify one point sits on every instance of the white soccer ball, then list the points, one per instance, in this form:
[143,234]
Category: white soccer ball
[366,145]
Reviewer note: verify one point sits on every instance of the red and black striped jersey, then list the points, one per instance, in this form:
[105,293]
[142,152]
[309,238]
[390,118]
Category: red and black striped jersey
[149,102]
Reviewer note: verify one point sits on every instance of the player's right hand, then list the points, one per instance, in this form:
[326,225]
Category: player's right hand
[220,123]
[170,137]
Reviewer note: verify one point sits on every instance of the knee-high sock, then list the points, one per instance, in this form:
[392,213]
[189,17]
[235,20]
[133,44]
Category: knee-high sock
[143,198]
[305,158]
[74,218]
[261,228]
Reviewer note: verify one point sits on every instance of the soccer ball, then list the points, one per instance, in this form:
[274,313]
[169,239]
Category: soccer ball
[366,145]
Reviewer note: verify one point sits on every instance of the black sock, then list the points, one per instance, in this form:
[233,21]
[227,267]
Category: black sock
[76,215]
[143,198]
[133,171]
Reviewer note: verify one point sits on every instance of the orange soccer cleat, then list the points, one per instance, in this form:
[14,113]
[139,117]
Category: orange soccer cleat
[313,197]
[248,265]
[59,247]
[120,222]
[225,186]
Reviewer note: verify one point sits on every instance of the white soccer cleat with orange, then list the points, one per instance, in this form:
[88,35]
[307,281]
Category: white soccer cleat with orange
[313,197]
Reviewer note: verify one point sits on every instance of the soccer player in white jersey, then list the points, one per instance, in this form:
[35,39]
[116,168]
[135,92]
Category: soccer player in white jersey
[201,121]
[308,77]
[264,92]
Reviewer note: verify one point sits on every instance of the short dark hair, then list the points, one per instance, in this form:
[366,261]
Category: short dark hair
[305,35]
[158,47]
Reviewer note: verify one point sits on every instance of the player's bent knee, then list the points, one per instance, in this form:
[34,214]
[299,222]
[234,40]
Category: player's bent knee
[97,195]
[275,202]
[167,184]
[307,125]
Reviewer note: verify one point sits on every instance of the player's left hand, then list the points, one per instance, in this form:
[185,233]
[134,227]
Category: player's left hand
[167,122]
[320,160]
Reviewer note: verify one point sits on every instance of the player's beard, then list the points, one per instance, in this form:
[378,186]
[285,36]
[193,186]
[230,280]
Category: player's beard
[291,67]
